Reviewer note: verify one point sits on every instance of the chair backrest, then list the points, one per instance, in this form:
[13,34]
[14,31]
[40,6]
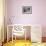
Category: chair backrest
[18,30]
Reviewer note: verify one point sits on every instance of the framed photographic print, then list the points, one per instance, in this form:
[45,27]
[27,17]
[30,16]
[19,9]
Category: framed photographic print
[27,9]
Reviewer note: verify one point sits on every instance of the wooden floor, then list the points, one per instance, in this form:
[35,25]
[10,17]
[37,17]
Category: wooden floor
[23,43]
[18,43]
[43,39]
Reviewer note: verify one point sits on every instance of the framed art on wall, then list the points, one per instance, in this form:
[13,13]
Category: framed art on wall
[27,9]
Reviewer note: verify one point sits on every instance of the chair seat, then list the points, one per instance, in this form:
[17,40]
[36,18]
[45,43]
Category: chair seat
[18,33]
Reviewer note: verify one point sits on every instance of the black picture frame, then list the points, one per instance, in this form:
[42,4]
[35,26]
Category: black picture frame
[27,9]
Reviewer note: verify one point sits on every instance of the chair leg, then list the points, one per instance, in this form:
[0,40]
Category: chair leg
[25,36]
[2,44]
[15,38]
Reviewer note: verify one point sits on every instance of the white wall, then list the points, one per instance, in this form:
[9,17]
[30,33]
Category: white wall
[38,15]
